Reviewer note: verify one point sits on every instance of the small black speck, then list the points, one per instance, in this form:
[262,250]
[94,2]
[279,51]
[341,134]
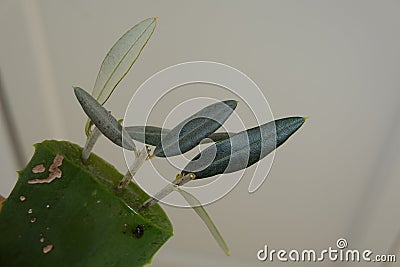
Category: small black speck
[138,231]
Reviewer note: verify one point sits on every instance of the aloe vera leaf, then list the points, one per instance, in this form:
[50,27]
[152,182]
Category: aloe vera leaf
[151,135]
[189,133]
[120,59]
[104,121]
[199,209]
[243,149]
[1,201]
[82,215]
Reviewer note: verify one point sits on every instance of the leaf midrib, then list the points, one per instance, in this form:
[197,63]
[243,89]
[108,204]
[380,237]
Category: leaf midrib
[119,63]
[236,152]
[186,136]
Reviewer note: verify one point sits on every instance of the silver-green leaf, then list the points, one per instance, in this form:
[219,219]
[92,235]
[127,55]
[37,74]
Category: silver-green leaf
[243,149]
[189,133]
[152,135]
[199,209]
[104,121]
[120,59]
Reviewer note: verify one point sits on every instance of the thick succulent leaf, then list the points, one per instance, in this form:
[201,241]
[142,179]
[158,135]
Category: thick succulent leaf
[199,209]
[151,135]
[120,59]
[104,121]
[79,218]
[1,201]
[189,133]
[243,149]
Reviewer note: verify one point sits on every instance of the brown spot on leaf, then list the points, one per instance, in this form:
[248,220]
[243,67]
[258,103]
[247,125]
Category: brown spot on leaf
[54,172]
[48,248]
[22,198]
[38,168]
[57,162]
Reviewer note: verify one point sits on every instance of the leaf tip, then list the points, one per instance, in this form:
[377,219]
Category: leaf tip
[231,103]
[306,118]
[77,90]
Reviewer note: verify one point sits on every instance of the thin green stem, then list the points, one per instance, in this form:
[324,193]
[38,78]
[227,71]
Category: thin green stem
[179,181]
[140,158]
[90,142]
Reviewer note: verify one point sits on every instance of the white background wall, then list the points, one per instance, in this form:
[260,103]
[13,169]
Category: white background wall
[337,61]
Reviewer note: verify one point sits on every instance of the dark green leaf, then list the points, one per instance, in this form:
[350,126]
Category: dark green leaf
[216,137]
[80,215]
[104,121]
[189,133]
[243,149]
[151,135]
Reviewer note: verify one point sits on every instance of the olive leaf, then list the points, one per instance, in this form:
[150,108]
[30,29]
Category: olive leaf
[199,209]
[152,135]
[189,133]
[104,121]
[120,59]
[243,149]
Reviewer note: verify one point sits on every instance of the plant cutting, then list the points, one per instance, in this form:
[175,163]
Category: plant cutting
[73,208]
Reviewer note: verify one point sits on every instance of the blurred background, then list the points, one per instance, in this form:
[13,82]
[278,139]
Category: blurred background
[336,61]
